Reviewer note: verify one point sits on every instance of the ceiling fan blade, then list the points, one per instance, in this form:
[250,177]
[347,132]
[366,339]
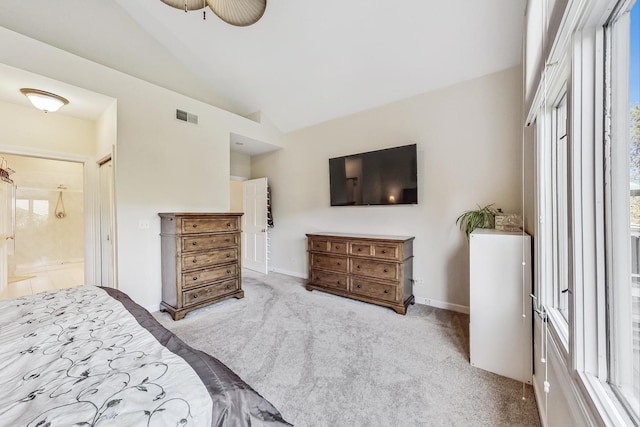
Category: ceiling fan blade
[238,12]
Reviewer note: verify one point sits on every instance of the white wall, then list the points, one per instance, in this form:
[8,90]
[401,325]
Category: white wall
[236,203]
[162,164]
[107,131]
[30,128]
[468,140]
[240,165]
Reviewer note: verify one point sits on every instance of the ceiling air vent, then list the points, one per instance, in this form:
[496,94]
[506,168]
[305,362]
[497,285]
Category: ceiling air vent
[186,117]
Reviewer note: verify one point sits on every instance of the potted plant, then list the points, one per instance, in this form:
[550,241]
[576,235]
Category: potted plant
[483,217]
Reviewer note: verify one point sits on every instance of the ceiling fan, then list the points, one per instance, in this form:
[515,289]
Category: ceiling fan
[240,13]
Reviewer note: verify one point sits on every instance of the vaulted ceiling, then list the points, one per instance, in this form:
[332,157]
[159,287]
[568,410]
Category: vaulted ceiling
[303,63]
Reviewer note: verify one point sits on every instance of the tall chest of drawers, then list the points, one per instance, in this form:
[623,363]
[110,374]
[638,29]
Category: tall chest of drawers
[201,256]
[375,269]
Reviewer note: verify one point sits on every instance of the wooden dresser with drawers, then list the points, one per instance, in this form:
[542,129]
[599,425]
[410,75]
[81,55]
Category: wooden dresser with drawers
[374,269]
[201,256]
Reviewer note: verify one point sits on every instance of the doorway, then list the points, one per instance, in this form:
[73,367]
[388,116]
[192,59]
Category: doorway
[49,246]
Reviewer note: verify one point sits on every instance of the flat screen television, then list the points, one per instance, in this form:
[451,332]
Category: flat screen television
[382,177]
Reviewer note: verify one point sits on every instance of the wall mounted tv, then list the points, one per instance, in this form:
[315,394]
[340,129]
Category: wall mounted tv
[383,177]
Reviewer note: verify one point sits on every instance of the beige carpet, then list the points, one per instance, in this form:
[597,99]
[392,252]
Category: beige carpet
[324,360]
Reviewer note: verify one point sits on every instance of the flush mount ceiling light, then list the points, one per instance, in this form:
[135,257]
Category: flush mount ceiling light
[240,13]
[45,101]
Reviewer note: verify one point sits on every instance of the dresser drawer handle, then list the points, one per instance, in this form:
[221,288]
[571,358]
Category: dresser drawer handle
[385,270]
[195,277]
[195,243]
[359,249]
[228,271]
[358,286]
[358,267]
[195,261]
[228,286]
[317,278]
[384,251]
[228,255]
[195,296]
[337,247]
[338,282]
[195,225]
[228,224]
[227,239]
[338,263]
[386,291]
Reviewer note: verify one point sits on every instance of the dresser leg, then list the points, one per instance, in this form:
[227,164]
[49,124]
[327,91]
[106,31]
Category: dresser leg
[400,310]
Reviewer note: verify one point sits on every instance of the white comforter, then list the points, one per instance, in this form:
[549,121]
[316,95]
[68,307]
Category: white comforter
[76,357]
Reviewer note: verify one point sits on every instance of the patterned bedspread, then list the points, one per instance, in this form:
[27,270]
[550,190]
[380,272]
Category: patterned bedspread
[79,357]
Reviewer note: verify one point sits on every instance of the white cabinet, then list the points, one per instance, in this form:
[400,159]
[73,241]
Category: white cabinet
[499,335]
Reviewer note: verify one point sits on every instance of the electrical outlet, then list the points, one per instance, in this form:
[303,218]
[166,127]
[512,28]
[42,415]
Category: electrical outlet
[143,224]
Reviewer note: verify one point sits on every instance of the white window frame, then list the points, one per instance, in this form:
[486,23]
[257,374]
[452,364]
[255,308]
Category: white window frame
[583,339]
[557,86]
[620,341]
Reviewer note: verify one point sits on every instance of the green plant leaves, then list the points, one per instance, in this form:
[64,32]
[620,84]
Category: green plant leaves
[483,217]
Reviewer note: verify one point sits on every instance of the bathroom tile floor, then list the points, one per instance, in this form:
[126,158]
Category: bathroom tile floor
[59,278]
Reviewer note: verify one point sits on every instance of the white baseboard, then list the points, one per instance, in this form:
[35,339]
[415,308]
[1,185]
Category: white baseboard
[288,272]
[539,396]
[441,304]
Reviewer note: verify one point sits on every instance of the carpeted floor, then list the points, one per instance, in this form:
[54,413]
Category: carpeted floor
[324,360]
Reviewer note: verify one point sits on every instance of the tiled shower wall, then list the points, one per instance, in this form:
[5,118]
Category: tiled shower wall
[43,239]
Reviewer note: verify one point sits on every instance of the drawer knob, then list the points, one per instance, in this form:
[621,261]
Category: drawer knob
[358,267]
[228,271]
[359,249]
[228,255]
[386,291]
[337,247]
[195,277]
[195,243]
[195,296]
[338,263]
[228,224]
[227,239]
[358,286]
[195,225]
[337,282]
[317,278]
[384,251]
[195,261]
[228,286]
[385,270]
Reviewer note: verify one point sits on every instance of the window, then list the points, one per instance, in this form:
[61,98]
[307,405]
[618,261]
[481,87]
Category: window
[41,207]
[556,189]
[588,207]
[622,179]
[560,211]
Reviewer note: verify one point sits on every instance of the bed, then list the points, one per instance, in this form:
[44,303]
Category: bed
[90,356]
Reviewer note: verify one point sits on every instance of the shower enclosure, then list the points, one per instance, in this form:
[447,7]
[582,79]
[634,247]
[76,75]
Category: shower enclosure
[49,223]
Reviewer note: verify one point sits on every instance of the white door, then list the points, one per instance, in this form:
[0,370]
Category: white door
[254,225]
[105,172]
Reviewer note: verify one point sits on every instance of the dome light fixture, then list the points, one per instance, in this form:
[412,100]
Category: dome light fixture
[45,101]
